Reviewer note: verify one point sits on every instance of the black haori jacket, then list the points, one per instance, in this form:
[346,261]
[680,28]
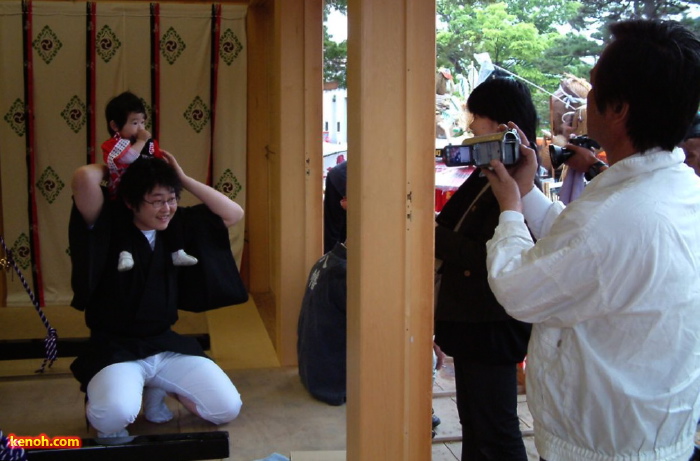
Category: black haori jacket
[130,314]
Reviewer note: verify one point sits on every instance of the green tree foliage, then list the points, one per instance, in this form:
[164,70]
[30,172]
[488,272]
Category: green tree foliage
[340,5]
[544,14]
[598,14]
[458,38]
[335,55]
[520,36]
[538,40]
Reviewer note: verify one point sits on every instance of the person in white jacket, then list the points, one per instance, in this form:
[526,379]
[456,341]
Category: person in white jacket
[612,285]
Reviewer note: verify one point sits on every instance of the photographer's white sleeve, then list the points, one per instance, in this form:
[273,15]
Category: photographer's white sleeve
[540,212]
[547,282]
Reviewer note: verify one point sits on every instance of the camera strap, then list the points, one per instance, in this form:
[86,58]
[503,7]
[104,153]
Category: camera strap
[478,196]
[438,262]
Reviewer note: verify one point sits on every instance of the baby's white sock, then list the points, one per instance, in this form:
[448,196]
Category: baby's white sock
[180,258]
[126,262]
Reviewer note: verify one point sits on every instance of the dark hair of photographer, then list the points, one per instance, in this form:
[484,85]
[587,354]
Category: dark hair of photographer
[503,100]
[643,52]
[506,100]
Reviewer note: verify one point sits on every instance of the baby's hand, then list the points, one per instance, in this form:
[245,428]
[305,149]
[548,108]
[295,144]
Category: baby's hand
[143,135]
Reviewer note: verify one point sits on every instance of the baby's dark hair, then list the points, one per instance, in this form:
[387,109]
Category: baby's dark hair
[145,174]
[119,107]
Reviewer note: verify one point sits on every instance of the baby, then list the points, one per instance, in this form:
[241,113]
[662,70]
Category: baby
[126,122]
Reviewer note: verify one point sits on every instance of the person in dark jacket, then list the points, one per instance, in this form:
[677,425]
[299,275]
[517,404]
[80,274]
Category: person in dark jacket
[470,325]
[321,341]
[334,213]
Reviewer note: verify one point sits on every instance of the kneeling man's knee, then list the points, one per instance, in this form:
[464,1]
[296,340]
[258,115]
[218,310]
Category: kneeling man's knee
[226,410]
[112,415]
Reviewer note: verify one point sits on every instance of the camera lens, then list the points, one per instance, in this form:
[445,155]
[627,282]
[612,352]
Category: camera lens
[559,155]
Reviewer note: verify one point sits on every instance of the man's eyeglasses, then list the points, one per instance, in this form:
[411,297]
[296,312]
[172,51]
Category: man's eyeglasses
[158,204]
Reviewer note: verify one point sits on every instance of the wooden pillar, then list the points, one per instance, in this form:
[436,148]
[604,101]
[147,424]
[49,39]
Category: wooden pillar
[391,66]
[260,69]
[295,161]
[3,279]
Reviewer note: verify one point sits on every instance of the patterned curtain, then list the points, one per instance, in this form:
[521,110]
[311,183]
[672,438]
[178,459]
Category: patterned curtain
[60,62]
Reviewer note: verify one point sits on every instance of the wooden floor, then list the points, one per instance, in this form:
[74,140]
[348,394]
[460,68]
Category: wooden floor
[278,415]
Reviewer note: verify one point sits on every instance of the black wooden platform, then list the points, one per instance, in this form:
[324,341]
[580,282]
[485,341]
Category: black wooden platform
[18,349]
[172,447]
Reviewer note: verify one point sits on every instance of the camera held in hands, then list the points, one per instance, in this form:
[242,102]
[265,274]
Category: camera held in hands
[559,155]
[480,150]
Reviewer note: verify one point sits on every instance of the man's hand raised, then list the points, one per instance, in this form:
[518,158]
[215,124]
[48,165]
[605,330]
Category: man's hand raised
[523,172]
[512,184]
[504,187]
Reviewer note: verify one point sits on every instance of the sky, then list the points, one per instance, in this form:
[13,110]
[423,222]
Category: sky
[337,25]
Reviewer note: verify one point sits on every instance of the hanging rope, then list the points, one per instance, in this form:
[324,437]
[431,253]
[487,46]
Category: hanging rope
[51,339]
[565,101]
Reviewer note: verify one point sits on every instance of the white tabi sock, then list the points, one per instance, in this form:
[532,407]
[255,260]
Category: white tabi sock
[154,407]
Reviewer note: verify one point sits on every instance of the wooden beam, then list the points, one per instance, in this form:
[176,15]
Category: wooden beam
[296,177]
[391,66]
[259,137]
[3,279]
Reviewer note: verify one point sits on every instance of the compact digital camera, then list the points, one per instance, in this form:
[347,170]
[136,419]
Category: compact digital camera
[559,155]
[480,150]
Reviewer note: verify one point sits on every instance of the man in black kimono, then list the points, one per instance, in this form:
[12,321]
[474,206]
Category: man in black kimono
[134,356]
